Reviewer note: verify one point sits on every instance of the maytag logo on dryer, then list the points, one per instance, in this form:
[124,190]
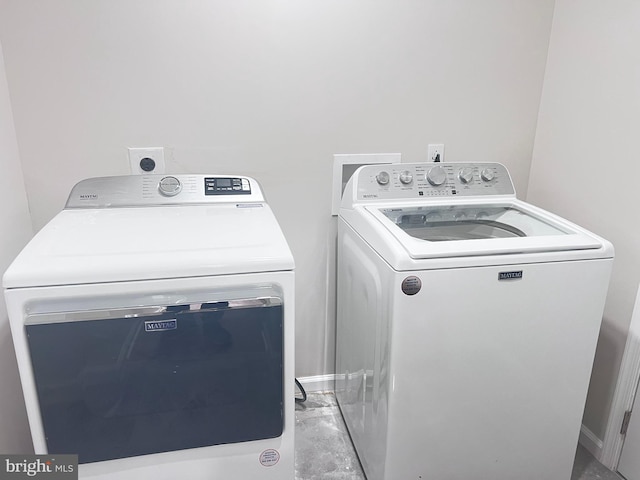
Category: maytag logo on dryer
[510,275]
[160,325]
[88,196]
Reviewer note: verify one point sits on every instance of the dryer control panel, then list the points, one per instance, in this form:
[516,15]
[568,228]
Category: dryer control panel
[147,190]
[431,180]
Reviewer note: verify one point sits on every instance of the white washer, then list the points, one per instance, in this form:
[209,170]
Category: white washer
[153,322]
[467,325]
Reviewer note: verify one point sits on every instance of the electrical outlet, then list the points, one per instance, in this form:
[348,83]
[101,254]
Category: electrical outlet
[146,160]
[435,152]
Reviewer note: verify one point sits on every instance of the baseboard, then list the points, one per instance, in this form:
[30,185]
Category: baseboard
[318,383]
[591,442]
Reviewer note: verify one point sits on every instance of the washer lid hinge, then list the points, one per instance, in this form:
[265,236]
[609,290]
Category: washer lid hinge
[625,422]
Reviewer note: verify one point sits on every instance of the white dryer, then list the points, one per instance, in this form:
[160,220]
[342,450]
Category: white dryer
[467,325]
[153,322]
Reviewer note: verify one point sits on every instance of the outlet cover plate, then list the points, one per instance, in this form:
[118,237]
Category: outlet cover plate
[433,149]
[136,154]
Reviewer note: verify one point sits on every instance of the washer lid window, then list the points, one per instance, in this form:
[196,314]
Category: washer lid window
[479,229]
[469,222]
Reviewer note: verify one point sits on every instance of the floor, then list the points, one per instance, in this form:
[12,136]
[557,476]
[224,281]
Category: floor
[324,450]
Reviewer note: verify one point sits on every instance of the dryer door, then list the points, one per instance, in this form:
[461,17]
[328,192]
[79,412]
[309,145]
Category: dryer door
[121,383]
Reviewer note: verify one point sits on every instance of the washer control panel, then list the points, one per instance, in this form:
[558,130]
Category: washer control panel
[420,180]
[145,190]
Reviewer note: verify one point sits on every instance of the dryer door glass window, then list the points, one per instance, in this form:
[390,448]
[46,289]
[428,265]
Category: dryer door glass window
[132,382]
[462,222]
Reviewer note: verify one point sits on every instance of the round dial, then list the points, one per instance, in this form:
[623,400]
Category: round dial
[466,175]
[406,178]
[169,186]
[487,175]
[437,176]
[382,178]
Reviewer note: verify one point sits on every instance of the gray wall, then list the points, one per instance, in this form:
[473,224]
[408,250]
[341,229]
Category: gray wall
[586,159]
[15,231]
[272,89]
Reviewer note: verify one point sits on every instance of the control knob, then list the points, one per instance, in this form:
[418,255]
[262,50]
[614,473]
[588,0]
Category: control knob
[437,176]
[487,175]
[406,178]
[466,175]
[382,178]
[169,186]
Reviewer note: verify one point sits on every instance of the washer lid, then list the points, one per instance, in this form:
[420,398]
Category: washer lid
[475,229]
[142,243]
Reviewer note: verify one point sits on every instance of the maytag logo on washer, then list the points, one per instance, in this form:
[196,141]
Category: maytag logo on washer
[510,275]
[160,325]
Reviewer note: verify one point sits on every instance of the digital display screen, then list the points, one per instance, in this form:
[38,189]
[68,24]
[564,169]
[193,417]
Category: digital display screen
[226,186]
